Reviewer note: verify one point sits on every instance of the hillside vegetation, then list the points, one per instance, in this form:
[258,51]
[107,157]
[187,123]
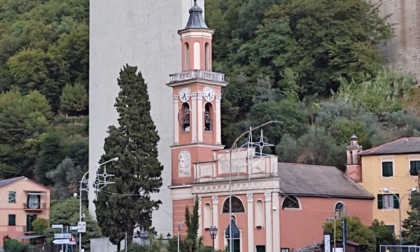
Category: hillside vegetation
[313,64]
[316,66]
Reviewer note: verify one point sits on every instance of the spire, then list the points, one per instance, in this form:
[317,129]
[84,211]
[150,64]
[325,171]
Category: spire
[196,19]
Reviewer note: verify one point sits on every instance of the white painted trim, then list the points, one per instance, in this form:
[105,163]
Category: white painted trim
[197,55]
[193,122]
[250,215]
[268,222]
[218,120]
[276,222]
[215,208]
[200,115]
[181,193]
[176,122]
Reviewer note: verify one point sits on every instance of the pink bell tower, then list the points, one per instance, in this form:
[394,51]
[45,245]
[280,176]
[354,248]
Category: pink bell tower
[197,95]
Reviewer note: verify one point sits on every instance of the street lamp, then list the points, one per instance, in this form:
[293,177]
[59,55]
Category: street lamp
[230,176]
[85,180]
[213,233]
[179,230]
[387,190]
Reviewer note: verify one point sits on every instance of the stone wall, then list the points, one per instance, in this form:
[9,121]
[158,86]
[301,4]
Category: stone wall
[403,51]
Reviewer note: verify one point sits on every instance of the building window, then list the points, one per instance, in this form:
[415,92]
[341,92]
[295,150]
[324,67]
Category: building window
[29,219]
[285,249]
[388,201]
[12,220]
[387,170]
[290,202]
[414,168]
[187,56]
[12,197]
[391,228]
[237,206]
[340,209]
[260,248]
[207,117]
[207,56]
[184,117]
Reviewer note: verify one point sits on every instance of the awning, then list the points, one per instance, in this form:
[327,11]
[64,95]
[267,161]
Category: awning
[35,192]
[28,237]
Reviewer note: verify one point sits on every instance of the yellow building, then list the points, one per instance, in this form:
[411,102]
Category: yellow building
[21,202]
[389,172]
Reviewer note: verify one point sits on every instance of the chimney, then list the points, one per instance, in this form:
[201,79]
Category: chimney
[354,166]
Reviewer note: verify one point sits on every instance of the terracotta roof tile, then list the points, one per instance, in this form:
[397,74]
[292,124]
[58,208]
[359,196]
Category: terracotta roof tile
[318,180]
[405,145]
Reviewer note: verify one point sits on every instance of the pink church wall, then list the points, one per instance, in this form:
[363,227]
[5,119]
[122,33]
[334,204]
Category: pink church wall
[302,227]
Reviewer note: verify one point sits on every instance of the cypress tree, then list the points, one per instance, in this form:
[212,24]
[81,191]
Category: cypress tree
[126,204]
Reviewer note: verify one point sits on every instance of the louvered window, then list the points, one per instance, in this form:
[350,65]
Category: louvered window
[388,201]
[387,170]
[414,167]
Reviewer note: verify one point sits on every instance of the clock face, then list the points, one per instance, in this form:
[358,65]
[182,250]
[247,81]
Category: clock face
[184,164]
[184,94]
[208,94]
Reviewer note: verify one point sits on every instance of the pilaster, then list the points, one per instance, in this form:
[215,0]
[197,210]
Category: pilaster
[268,223]
[250,201]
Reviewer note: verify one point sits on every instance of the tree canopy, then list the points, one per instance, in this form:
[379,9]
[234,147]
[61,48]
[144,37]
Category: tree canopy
[127,203]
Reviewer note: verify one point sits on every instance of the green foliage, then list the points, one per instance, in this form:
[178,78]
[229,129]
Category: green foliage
[74,99]
[411,228]
[49,156]
[357,232]
[65,179]
[191,221]
[128,202]
[287,149]
[14,246]
[383,235]
[67,213]
[40,225]
[384,92]
[23,120]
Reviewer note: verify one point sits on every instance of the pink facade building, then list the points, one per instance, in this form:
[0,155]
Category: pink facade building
[22,201]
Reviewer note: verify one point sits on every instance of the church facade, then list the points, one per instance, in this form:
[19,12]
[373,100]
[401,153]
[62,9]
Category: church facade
[243,194]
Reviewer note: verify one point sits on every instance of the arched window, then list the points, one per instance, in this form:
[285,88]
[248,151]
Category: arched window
[207,56]
[340,209]
[207,117]
[290,202]
[207,215]
[187,56]
[237,206]
[184,117]
[259,214]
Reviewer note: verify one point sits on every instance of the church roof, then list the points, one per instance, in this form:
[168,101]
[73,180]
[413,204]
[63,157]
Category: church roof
[405,145]
[318,181]
[196,20]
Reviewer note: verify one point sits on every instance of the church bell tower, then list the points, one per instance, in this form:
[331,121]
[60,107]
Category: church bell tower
[197,95]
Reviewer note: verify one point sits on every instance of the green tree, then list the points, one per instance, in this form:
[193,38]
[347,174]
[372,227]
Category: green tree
[383,235]
[40,225]
[191,221]
[67,213]
[74,99]
[357,232]
[411,227]
[23,120]
[65,178]
[49,156]
[128,202]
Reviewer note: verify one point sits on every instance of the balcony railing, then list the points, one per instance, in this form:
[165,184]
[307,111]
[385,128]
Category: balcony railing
[197,74]
[34,206]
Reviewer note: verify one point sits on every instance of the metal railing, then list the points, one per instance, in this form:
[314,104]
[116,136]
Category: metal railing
[197,74]
[35,206]
[399,248]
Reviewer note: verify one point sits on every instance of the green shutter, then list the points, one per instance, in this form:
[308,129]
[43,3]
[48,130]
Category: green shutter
[380,205]
[396,201]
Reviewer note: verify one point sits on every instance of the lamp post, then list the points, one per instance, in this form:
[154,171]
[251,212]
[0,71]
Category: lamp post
[230,176]
[85,180]
[334,219]
[179,230]
[213,234]
[387,190]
